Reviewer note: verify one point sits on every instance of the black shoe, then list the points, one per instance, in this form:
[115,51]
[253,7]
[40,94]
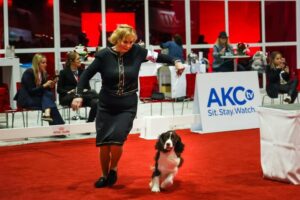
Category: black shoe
[101,182]
[59,136]
[112,177]
[288,100]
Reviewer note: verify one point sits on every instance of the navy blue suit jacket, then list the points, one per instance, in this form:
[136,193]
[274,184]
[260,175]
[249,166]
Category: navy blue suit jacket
[30,95]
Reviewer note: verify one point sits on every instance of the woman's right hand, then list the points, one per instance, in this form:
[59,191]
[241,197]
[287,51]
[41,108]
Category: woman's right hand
[76,103]
[49,84]
[222,52]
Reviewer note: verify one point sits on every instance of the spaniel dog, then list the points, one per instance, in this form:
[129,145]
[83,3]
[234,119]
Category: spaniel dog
[167,160]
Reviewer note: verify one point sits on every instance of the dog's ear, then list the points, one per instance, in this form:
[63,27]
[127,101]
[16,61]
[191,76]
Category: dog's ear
[159,144]
[179,147]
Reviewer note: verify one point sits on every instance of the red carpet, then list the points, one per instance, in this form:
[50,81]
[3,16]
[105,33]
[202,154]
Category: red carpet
[217,166]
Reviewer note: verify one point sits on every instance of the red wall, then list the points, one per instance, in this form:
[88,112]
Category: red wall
[91,24]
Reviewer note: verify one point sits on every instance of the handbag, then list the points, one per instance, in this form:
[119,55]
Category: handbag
[157,96]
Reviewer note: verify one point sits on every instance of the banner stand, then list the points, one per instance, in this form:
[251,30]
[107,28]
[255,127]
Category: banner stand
[226,102]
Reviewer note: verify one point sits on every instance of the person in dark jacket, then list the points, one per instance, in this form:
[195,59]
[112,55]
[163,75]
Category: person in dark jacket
[35,91]
[119,67]
[66,87]
[278,79]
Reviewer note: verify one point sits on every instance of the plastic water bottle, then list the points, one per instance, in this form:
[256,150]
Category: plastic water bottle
[202,66]
[12,51]
[202,63]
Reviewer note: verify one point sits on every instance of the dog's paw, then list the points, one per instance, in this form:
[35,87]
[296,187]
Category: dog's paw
[155,189]
[166,183]
[150,184]
[154,184]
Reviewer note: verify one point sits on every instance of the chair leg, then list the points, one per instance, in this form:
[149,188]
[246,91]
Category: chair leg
[42,122]
[173,106]
[12,119]
[69,115]
[23,117]
[37,120]
[6,117]
[263,100]
[26,118]
[63,113]
[281,98]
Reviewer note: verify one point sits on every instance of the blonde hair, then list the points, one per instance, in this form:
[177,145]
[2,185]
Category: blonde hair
[36,60]
[218,41]
[122,32]
[71,56]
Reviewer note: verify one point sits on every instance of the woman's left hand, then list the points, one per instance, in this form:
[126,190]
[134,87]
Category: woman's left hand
[179,68]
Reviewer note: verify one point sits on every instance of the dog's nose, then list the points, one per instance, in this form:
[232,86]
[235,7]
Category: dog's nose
[168,144]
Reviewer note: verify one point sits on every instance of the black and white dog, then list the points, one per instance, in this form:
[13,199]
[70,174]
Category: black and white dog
[167,160]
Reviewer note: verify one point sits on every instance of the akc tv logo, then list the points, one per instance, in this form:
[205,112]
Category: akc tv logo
[230,101]
[230,96]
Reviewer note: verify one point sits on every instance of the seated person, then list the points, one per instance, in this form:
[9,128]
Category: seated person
[35,91]
[278,77]
[66,87]
[174,47]
[222,48]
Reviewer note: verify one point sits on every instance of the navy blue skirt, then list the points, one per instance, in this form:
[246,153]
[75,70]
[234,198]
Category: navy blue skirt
[115,117]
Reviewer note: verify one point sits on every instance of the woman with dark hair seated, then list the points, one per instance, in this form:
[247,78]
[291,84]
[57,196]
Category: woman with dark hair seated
[35,91]
[279,80]
[66,87]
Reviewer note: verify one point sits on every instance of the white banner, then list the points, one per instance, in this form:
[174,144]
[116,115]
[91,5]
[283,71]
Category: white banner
[226,101]
[280,142]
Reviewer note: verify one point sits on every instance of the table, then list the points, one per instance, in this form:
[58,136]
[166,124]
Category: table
[280,142]
[10,76]
[235,58]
